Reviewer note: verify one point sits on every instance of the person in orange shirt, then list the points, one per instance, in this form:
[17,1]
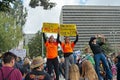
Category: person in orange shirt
[67,47]
[52,54]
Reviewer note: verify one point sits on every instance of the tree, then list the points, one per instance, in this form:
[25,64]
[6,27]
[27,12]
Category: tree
[6,5]
[35,45]
[45,3]
[12,21]
[19,13]
[9,33]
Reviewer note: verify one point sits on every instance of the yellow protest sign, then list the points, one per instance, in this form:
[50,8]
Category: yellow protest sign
[50,27]
[67,29]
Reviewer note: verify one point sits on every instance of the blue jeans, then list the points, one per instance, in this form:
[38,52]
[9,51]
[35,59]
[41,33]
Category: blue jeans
[101,57]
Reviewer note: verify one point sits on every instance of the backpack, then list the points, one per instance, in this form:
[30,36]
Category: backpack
[7,78]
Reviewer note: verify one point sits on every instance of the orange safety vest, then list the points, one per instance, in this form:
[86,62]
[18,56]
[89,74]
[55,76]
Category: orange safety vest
[67,47]
[51,50]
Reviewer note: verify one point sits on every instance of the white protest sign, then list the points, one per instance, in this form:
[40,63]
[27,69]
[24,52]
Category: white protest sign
[19,52]
[77,52]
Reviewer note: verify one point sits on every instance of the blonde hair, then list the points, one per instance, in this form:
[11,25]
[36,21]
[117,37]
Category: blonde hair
[88,71]
[74,72]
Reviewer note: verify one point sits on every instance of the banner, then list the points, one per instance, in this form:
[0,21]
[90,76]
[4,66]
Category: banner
[68,30]
[50,27]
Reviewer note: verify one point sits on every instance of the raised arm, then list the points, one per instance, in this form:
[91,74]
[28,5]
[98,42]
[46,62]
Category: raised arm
[76,40]
[58,38]
[103,38]
[44,38]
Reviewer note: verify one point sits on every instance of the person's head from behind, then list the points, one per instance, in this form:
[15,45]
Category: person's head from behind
[9,58]
[37,63]
[51,38]
[74,73]
[87,69]
[67,39]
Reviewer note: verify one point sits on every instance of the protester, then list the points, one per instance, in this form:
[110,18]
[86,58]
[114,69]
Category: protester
[18,64]
[26,64]
[99,55]
[52,54]
[89,56]
[37,73]
[24,73]
[8,72]
[118,66]
[67,47]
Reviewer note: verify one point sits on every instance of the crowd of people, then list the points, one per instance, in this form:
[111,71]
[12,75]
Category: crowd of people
[96,66]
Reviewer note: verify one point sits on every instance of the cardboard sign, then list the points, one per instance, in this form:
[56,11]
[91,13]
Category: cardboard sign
[50,27]
[68,30]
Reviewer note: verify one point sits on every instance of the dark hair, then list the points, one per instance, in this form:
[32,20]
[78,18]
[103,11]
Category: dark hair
[92,38]
[8,56]
[24,71]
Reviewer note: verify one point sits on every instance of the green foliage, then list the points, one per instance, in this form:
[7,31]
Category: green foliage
[19,12]
[45,3]
[5,5]
[12,21]
[35,45]
[10,34]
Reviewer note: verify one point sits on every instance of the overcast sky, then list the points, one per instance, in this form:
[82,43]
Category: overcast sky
[36,16]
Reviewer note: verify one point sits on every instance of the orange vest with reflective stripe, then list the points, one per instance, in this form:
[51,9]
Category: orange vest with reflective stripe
[51,49]
[67,47]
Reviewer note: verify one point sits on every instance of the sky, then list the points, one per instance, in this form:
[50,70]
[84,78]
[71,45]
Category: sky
[36,16]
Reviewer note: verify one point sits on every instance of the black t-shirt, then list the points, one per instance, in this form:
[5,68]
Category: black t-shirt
[96,48]
[118,57]
[37,75]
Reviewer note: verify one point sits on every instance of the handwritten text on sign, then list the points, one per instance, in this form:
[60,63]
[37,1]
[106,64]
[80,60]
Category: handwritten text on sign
[68,30]
[50,27]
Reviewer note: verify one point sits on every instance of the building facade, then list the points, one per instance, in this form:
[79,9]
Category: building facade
[91,20]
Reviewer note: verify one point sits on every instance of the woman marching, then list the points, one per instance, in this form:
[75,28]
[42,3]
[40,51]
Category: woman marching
[67,47]
[52,54]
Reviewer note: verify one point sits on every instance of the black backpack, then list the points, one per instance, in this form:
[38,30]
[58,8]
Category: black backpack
[7,78]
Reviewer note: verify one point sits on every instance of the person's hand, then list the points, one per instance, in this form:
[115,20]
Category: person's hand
[97,36]
[102,36]
[77,33]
